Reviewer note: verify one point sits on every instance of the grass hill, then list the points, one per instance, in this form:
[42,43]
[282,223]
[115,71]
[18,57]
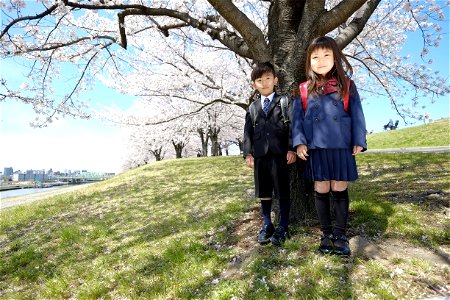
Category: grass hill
[186,229]
[432,134]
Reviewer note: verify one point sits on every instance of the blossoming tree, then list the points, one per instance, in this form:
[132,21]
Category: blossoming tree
[113,41]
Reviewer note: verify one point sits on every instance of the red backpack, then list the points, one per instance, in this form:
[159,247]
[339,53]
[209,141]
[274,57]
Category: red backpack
[304,94]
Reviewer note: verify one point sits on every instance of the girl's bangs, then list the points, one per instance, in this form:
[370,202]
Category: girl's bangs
[321,44]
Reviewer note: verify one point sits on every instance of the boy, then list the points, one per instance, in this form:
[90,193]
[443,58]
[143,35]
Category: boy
[268,147]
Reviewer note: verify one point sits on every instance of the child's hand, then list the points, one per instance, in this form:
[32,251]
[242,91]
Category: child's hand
[357,150]
[291,157]
[302,151]
[249,160]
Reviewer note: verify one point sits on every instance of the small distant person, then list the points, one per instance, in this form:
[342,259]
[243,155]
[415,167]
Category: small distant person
[389,125]
[268,148]
[395,125]
[328,136]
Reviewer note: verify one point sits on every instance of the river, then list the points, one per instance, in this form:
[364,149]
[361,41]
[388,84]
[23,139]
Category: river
[23,196]
[27,191]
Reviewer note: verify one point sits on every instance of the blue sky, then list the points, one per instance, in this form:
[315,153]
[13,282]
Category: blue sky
[378,111]
[72,144]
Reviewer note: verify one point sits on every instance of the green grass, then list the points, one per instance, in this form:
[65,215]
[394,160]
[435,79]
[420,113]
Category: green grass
[186,229]
[431,134]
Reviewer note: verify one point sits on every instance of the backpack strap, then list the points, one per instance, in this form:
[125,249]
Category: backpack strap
[252,111]
[304,94]
[284,102]
[347,96]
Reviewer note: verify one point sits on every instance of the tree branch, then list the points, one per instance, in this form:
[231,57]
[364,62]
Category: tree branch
[339,14]
[53,46]
[38,16]
[355,27]
[205,105]
[250,32]
[386,89]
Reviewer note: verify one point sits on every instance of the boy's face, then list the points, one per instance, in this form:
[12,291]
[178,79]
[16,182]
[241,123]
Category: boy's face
[265,84]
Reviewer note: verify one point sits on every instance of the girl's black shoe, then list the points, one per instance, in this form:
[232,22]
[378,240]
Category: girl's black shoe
[341,246]
[265,234]
[326,244]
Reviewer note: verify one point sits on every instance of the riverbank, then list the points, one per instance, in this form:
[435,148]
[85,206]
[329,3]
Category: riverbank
[119,238]
[30,186]
[19,200]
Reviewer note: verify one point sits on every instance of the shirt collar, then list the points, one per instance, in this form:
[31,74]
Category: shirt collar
[270,97]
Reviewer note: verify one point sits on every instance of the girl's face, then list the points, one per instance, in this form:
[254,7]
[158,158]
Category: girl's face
[322,61]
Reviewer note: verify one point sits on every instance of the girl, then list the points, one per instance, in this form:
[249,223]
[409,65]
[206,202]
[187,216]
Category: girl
[328,135]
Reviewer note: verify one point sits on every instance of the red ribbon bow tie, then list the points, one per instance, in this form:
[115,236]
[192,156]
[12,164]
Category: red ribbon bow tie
[329,86]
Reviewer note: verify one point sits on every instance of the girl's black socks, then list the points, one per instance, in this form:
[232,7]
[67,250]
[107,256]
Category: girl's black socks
[322,202]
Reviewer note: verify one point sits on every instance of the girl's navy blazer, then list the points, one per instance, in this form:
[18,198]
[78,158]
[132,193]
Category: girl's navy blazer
[326,124]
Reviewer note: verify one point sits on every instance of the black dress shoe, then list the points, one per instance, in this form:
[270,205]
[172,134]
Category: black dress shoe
[341,246]
[265,233]
[280,235]
[326,244]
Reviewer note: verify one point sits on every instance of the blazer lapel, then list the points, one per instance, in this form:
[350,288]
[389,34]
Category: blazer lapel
[259,107]
[274,102]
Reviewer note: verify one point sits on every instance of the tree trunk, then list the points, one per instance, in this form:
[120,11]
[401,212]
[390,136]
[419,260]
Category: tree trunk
[302,205]
[284,22]
[213,134]
[240,145]
[204,140]
[157,154]
[178,149]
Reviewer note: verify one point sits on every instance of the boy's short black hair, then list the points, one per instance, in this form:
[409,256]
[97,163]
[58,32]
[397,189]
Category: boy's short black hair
[260,68]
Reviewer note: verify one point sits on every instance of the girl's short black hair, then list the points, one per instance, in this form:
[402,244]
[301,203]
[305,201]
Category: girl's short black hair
[260,68]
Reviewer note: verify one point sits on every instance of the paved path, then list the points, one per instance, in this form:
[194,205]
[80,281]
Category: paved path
[437,149]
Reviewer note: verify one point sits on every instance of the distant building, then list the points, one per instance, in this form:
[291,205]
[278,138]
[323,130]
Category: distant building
[18,176]
[40,176]
[29,175]
[8,171]
[35,175]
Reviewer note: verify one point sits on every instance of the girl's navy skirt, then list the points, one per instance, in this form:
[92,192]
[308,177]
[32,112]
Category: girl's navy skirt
[331,164]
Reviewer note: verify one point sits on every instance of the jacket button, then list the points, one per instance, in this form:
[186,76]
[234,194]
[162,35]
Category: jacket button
[335,117]
[316,106]
[316,119]
[335,103]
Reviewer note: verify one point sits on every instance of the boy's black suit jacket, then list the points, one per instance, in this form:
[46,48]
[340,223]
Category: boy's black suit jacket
[270,132]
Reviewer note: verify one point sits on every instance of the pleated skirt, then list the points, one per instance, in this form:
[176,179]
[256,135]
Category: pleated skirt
[331,164]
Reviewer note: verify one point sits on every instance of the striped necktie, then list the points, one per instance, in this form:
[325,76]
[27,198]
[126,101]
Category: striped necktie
[266,105]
